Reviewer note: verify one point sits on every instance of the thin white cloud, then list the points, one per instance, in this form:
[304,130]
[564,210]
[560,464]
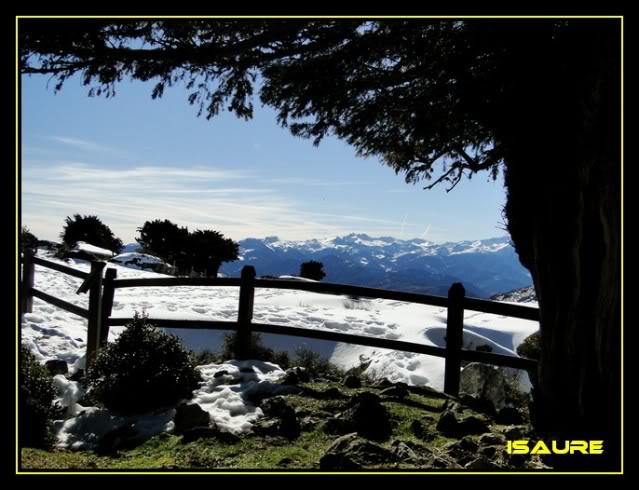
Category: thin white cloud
[81,144]
[196,197]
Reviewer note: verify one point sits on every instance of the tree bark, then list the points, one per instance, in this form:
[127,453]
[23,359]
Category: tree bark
[564,216]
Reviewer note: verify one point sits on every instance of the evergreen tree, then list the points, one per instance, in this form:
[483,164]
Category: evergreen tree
[208,249]
[91,230]
[166,240]
[312,270]
[27,240]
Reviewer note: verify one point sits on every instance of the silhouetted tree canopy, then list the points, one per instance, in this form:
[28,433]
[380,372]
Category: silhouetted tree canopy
[208,249]
[89,229]
[27,240]
[165,240]
[312,269]
[436,100]
[202,250]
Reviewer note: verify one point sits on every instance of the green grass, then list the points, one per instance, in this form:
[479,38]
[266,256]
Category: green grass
[251,452]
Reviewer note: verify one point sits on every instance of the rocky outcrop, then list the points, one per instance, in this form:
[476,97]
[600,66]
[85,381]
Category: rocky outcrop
[484,381]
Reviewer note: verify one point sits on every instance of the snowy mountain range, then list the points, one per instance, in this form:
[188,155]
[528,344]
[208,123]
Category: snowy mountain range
[485,267]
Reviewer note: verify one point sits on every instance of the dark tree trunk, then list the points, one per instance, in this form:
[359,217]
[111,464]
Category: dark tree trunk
[563,177]
[212,268]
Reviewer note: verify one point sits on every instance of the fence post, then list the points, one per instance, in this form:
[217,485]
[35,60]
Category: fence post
[108,292]
[245,312]
[28,276]
[95,292]
[454,337]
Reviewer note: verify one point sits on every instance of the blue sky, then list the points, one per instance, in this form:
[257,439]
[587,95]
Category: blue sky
[130,159]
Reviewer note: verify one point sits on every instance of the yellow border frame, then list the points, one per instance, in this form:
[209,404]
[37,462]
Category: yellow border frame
[257,472]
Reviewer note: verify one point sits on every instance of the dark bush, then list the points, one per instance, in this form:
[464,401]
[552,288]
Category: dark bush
[530,347]
[312,270]
[257,350]
[206,357]
[27,240]
[314,364]
[143,370]
[36,396]
[89,229]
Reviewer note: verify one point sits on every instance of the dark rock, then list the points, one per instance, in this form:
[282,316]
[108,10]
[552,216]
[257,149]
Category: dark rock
[352,381]
[450,405]
[463,451]
[439,462]
[447,423]
[332,394]
[383,383]
[467,444]
[338,426]
[488,451]
[472,425]
[307,424]
[120,438]
[338,462]
[56,366]
[478,404]
[284,462]
[400,390]
[350,452]
[295,376]
[484,381]
[196,433]
[191,415]
[78,375]
[492,439]
[481,463]
[516,432]
[286,423]
[366,398]
[404,454]
[420,431]
[370,418]
[509,416]
[220,373]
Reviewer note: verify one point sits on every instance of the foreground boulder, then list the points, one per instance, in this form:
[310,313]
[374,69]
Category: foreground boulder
[484,381]
[281,419]
[450,425]
[366,416]
[295,376]
[188,416]
[349,452]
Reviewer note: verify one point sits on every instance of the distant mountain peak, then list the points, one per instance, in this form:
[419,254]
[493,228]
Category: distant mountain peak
[485,267]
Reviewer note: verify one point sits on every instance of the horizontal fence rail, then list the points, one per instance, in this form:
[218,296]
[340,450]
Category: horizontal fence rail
[60,303]
[70,271]
[102,293]
[176,281]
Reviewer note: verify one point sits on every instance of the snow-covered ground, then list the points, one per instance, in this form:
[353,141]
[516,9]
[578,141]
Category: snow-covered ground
[52,333]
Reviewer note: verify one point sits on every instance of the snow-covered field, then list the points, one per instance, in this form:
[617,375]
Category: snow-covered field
[52,333]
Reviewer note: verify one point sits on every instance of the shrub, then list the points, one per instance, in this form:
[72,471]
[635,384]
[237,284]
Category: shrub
[27,240]
[206,357]
[143,370]
[36,396]
[256,350]
[312,270]
[314,364]
[530,347]
[89,229]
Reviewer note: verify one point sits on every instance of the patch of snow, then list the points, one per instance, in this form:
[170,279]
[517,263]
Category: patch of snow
[92,249]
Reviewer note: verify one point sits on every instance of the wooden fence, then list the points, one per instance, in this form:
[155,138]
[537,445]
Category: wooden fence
[102,290]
